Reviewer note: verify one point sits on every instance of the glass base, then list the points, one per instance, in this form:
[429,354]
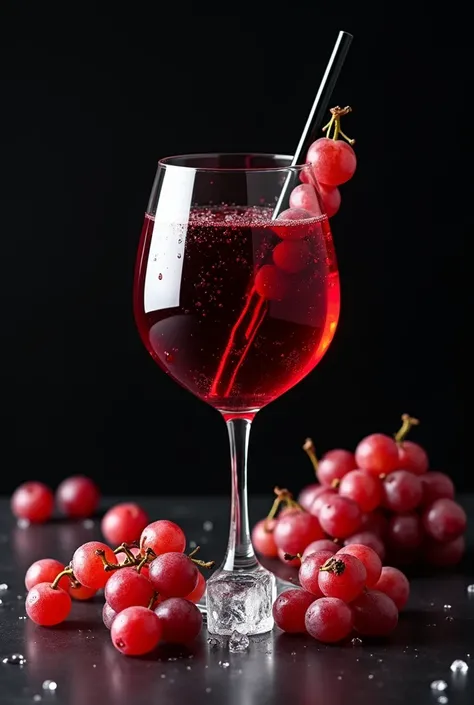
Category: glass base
[240,601]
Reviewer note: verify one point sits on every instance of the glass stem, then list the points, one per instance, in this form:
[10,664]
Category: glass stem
[240,554]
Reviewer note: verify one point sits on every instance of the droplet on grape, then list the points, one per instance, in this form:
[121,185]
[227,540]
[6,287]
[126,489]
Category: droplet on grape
[459,666]
[14,660]
[50,685]
[470,589]
[3,586]
[438,685]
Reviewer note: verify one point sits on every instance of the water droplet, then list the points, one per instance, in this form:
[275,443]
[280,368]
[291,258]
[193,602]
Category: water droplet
[208,690]
[212,642]
[94,665]
[293,653]
[155,258]
[15,660]
[172,658]
[208,526]
[88,524]
[339,678]
[356,641]
[179,241]
[459,666]
[23,617]
[449,618]
[19,597]
[443,699]
[50,685]
[36,698]
[169,356]
[23,523]
[470,589]
[1,603]
[160,276]
[192,544]
[120,643]
[370,676]
[438,685]
[188,668]
[447,607]
[224,664]
[380,660]
[163,675]
[179,255]
[198,304]
[3,586]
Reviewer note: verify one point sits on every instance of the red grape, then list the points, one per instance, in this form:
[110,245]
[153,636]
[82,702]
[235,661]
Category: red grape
[293,532]
[77,496]
[44,571]
[405,531]
[88,567]
[162,536]
[305,197]
[334,161]
[288,231]
[33,501]
[444,520]
[395,584]
[180,620]
[309,572]
[289,610]
[80,592]
[331,197]
[436,485]
[444,554]
[199,589]
[375,614]
[271,283]
[362,487]
[46,605]
[136,631]
[412,457]
[343,576]
[309,493]
[367,538]
[262,538]
[126,588]
[370,559]
[173,574]
[108,615]
[294,562]
[320,545]
[123,523]
[376,522]
[292,256]
[329,620]
[334,465]
[378,454]
[321,499]
[340,517]
[402,491]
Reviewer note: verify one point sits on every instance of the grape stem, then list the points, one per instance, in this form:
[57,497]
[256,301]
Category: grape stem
[152,600]
[334,565]
[125,548]
[335,122]
[282,495]
[108,566]
[291,557]
[194,551]
[309,448]
[66,571]
[203,564]
[407,422]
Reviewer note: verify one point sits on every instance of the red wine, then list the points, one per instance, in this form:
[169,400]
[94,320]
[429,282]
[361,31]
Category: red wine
[236,307]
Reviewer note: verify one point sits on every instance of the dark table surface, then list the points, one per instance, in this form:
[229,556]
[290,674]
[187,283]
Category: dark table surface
[276,669]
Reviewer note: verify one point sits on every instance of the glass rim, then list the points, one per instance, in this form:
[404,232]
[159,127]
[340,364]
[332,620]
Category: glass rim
[167,162]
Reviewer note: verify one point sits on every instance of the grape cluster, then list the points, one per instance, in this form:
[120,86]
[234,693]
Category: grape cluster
[151,588]
[382,496]
[343,591]
[76,497]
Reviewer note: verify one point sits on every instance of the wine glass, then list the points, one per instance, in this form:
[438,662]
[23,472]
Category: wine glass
[236,297]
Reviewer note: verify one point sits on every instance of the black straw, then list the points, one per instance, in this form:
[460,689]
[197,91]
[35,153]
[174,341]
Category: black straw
[319,109]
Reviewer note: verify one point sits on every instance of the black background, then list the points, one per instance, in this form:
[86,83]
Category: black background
[90,100]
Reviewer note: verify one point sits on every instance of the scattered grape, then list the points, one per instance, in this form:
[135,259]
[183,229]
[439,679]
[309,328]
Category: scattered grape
[343,576]
[329,620]
[162,536]
[88,567]
[124,523]
[444,520]
[368,557]
[402,491]
[44,571]
[262,538]
[77,497]
[33,501]
[136,631]
[309,572]
[181,620]
[395,584]
[127,588]
[362,487]
[320,545]
[375,614]
[173,574]
[340,517]
[46,605]
[378,454]
[289,610]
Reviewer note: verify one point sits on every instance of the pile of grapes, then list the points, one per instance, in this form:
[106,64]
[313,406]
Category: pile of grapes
[382,496]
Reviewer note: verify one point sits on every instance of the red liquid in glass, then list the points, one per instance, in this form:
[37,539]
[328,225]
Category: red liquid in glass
[200,312]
